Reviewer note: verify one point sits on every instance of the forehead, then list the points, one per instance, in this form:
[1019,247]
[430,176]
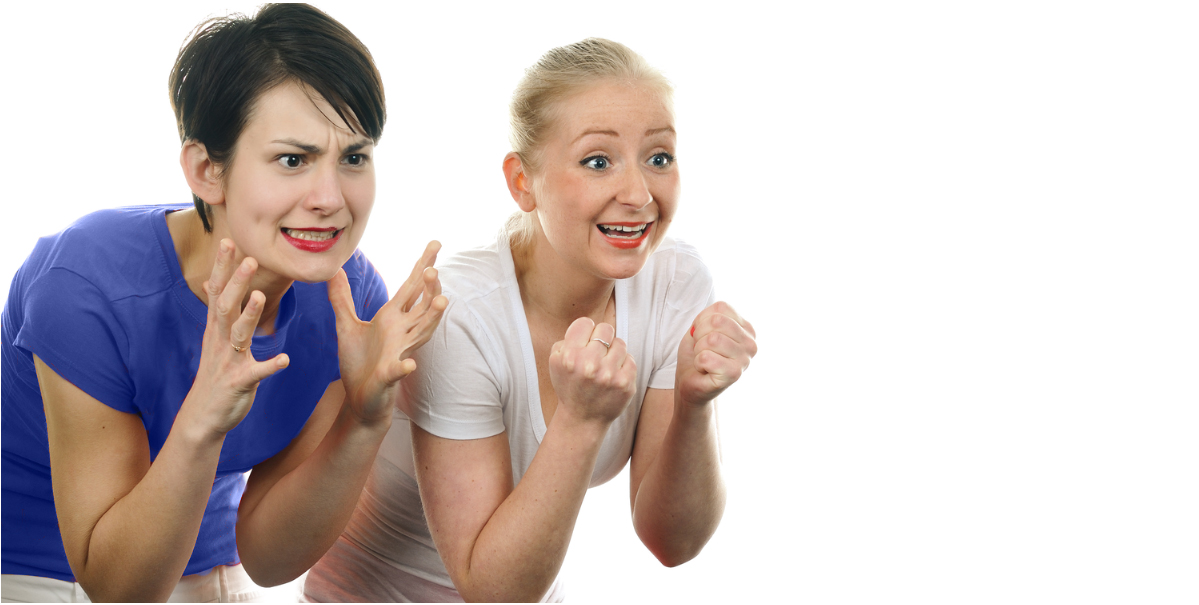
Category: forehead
[609,105]
[291,110]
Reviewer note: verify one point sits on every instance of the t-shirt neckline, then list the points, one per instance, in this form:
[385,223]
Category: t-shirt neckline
[263,346]
[537,418]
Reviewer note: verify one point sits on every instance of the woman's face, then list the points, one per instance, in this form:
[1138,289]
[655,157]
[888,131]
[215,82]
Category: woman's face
[300,187]
[607,186]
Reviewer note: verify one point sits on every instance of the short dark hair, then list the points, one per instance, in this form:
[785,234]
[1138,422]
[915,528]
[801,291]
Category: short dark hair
[227,63]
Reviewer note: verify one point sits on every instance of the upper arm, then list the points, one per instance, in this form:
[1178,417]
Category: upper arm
[97,456]
[271,470]
[657,409]
[462,483]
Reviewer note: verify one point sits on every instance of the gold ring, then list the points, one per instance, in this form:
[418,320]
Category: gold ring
[239,349]
[607,345]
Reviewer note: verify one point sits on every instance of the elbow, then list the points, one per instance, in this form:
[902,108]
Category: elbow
[673,555]
[264,575]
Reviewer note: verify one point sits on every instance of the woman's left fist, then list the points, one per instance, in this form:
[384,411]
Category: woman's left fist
[714,353]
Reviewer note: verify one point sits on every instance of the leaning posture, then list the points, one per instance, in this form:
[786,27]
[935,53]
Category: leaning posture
[581,339]
[153,354]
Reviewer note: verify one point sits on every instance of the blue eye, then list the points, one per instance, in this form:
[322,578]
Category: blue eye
[596,162]
[661,160]
[291,160]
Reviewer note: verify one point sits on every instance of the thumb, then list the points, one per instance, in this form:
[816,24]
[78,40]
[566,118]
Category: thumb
[342,299]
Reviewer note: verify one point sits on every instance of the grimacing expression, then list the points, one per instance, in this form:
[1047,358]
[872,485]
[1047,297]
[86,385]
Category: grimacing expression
[607,185]
[300,188]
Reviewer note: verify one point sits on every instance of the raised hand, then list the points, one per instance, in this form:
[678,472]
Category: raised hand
[228,375]
[592,372]
[375,355]
[713,354]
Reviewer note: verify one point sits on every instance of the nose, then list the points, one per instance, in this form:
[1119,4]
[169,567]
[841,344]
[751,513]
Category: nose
[325,198]
[634,190]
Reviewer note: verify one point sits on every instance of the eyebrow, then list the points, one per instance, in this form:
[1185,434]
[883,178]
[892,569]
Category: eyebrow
[613,133]
[315,150]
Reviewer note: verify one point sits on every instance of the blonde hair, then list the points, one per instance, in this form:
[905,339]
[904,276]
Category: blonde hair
[557,75]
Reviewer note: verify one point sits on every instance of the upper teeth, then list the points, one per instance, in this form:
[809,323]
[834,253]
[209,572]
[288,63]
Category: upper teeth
[624,227]
[316,236]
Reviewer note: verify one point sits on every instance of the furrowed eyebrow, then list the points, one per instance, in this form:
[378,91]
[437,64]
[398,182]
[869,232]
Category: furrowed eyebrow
[313,149]
[355,147]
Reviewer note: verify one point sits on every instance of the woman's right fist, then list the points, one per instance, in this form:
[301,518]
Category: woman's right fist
[592,372]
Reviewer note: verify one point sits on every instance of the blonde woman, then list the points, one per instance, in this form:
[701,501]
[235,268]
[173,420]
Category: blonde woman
[580,340]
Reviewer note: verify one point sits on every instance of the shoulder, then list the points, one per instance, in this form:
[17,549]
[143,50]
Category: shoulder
[119,250]
[476,273]
[678,272]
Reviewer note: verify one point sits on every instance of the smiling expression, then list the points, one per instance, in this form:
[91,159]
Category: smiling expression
[607,183]
[300,188]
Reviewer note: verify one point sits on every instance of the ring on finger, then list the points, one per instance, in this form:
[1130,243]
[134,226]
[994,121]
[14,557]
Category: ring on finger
[239,349]
[607,345]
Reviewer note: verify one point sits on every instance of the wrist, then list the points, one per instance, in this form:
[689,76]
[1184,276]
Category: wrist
[694,409]
[586,429]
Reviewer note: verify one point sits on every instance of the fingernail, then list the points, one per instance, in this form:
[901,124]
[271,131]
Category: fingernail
[693,329]
[225,247]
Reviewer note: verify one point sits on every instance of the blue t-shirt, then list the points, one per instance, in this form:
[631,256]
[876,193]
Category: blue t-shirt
[105,305]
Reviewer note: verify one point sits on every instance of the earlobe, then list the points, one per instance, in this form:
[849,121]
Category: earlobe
[519,184]
[201,173]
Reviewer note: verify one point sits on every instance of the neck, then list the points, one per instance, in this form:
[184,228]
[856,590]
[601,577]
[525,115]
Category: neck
[552,289]
[197,252]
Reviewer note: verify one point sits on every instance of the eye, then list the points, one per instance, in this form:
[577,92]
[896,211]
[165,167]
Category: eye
[596,162]
[355,159]
[661,160]
[291,160]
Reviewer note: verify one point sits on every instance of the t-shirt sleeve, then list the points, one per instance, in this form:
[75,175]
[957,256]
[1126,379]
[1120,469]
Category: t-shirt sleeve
[367,286]
[70,325]
[690,291]
[454,392]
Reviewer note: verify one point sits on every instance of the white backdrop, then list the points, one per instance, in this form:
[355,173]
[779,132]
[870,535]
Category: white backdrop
[966,237]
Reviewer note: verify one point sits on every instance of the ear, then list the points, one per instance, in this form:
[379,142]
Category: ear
[203,177]
[519,182]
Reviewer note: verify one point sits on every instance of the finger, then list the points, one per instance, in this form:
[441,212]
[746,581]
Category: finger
[713,321]
[242,332]
[261,370]
[412,286]
[603,332]
[222,270]
[431,287]
[342,300]
[229,302]
[579,332]
[724,346]
[721,370]
[617,355]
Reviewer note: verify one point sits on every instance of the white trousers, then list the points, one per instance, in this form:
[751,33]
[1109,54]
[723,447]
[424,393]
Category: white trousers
[224,584]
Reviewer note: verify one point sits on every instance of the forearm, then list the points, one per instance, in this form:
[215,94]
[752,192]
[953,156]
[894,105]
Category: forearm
[520,550]
[139,548]
[681,499]
[300,517]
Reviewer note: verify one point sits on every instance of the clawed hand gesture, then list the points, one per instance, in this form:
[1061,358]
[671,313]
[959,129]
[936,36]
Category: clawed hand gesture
[375,355]
[228,376]
[713,354]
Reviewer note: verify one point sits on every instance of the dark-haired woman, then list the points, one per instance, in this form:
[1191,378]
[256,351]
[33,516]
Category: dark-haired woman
[153,355]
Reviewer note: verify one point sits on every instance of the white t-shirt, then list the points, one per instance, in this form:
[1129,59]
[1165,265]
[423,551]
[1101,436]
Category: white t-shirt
[477,377]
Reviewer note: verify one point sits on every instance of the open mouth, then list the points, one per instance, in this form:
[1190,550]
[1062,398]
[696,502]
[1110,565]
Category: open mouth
[625,235]
[624,230]
[312,240]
